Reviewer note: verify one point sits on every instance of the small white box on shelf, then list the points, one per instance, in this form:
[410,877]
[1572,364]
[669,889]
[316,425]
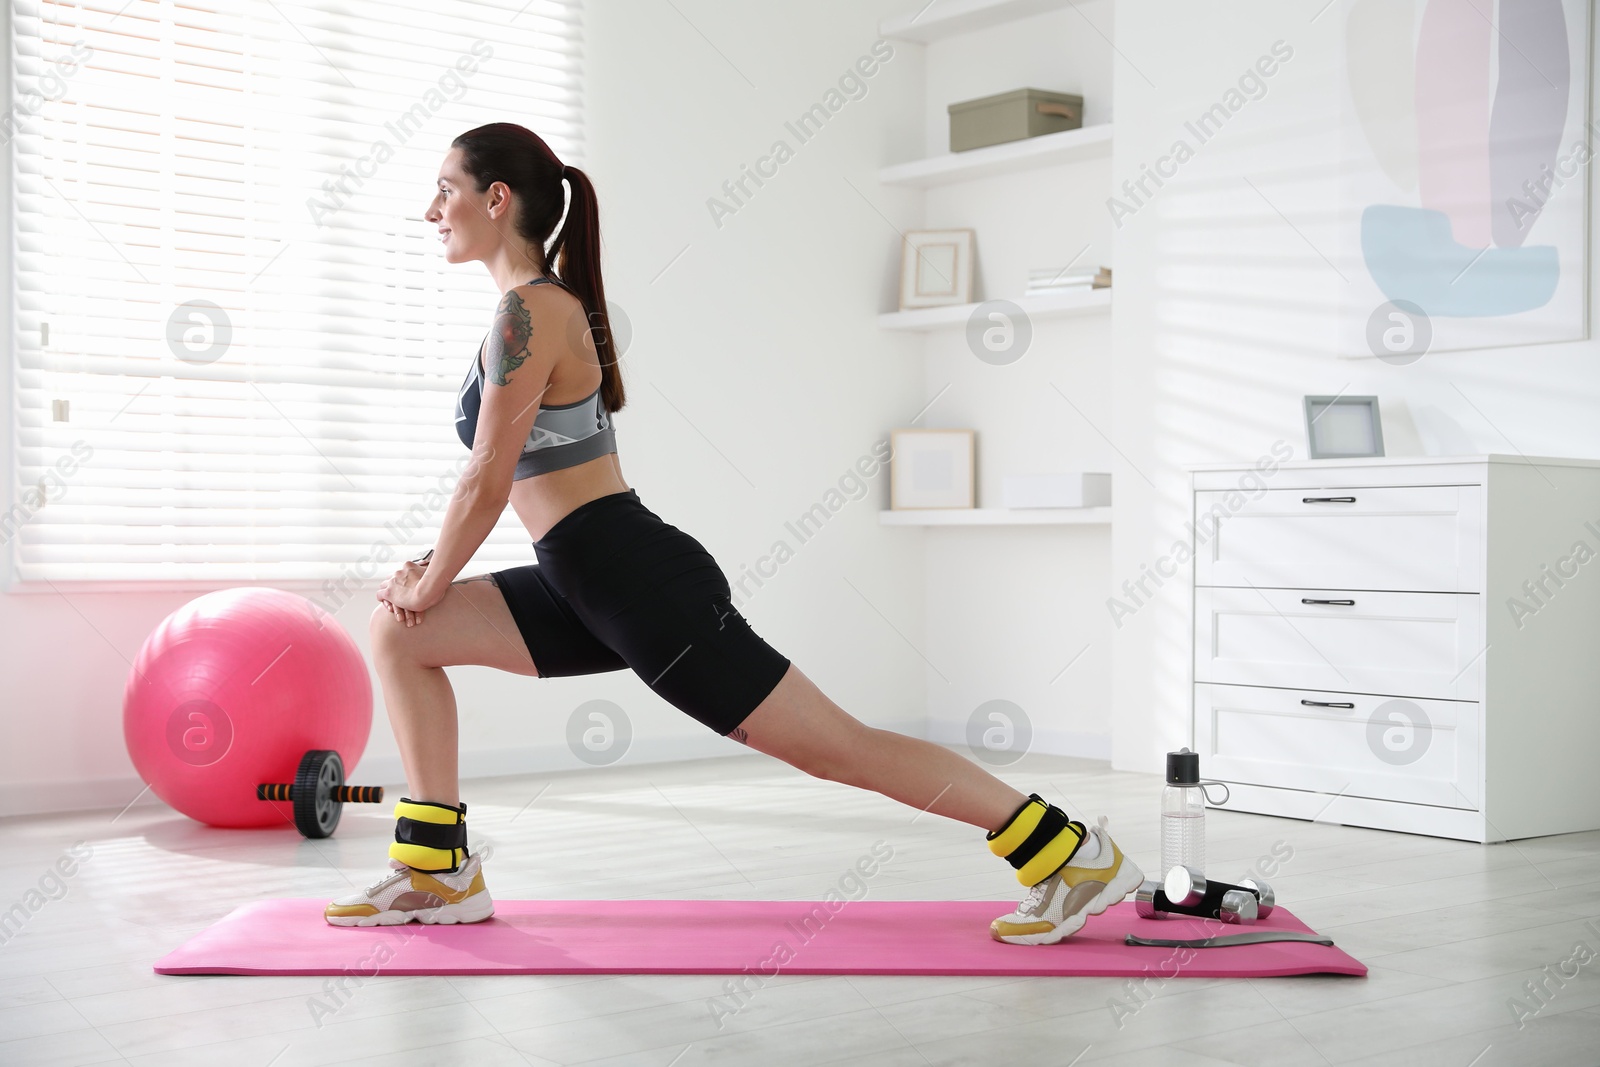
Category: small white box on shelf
[1078,489]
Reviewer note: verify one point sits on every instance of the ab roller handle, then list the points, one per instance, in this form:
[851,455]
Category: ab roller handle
[319,793]
[345,794]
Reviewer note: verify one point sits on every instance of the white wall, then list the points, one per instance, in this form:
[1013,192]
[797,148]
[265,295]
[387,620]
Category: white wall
[1224,313]
[1010,607]
[762,334]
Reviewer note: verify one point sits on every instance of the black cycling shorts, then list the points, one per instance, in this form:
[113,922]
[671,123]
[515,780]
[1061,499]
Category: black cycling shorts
[616,587]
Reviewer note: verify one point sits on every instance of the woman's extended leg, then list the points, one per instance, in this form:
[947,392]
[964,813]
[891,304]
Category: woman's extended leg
[798,724]
[1072,871]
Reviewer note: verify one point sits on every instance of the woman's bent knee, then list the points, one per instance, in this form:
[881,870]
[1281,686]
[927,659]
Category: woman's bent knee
[389,632]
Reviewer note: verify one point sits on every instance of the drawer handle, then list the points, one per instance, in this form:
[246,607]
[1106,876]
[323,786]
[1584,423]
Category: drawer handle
[1327,704]
[1309,600]
[1327,500]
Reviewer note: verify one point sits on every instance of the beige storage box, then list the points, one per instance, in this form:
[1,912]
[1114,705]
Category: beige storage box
[1012,116]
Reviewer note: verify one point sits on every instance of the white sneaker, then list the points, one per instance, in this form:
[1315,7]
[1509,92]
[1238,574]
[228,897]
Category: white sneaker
[1059,906]
[411,894]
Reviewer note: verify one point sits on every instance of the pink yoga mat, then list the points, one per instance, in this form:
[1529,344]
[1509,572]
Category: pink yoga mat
[288,936]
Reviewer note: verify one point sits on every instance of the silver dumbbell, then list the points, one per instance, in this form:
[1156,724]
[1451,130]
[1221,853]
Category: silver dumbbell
[1266,900]
[1186,891]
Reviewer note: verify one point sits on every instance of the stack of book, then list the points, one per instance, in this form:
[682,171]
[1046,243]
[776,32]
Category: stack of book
[1045,280]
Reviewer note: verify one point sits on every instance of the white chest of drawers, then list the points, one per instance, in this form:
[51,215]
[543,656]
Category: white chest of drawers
[1407,643]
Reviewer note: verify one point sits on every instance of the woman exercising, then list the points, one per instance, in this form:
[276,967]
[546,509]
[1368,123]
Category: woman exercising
[615,587]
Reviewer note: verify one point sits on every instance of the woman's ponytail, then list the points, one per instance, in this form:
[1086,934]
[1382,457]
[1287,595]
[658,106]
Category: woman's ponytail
[575,256]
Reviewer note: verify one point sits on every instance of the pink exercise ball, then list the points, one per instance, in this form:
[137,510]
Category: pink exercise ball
[231,690]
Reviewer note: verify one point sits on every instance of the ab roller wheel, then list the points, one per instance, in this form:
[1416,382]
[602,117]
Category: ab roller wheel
[319,793]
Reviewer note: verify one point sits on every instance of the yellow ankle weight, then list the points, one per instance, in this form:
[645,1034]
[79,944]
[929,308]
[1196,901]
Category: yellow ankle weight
[429,837]
[1038,840]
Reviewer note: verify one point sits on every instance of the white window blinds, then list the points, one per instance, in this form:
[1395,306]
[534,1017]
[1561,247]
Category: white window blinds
[237,344]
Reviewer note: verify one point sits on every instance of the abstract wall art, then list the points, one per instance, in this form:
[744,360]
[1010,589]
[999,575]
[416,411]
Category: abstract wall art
[1466,144]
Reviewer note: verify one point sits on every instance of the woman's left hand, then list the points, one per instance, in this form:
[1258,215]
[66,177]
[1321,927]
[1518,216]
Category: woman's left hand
[403,589]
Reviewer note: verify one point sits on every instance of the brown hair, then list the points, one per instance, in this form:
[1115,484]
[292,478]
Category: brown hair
[506,152]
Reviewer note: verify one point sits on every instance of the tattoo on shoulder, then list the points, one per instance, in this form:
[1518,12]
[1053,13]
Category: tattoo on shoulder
[508,341]
[738,734]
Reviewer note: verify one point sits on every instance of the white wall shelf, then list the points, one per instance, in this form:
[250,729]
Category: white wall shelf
[997,517]
[948,17]
[1068,146]
[1055,305]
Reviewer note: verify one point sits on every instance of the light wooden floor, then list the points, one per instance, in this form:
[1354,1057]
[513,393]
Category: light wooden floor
[1450,931]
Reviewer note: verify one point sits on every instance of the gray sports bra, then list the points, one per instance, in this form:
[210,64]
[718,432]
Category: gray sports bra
[563,435]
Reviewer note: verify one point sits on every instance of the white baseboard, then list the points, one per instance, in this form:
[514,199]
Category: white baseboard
[115,794]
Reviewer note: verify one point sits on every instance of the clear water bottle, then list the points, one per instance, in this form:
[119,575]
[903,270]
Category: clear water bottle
[1183,814]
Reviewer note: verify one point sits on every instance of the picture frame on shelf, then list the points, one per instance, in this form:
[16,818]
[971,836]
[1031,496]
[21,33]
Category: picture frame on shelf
[936,268]
[931,469]
[1343,427]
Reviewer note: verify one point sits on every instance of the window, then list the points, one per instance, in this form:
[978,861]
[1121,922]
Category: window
[236,344]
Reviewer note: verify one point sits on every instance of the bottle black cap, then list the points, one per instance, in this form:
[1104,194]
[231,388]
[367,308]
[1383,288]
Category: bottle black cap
[1183,767]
